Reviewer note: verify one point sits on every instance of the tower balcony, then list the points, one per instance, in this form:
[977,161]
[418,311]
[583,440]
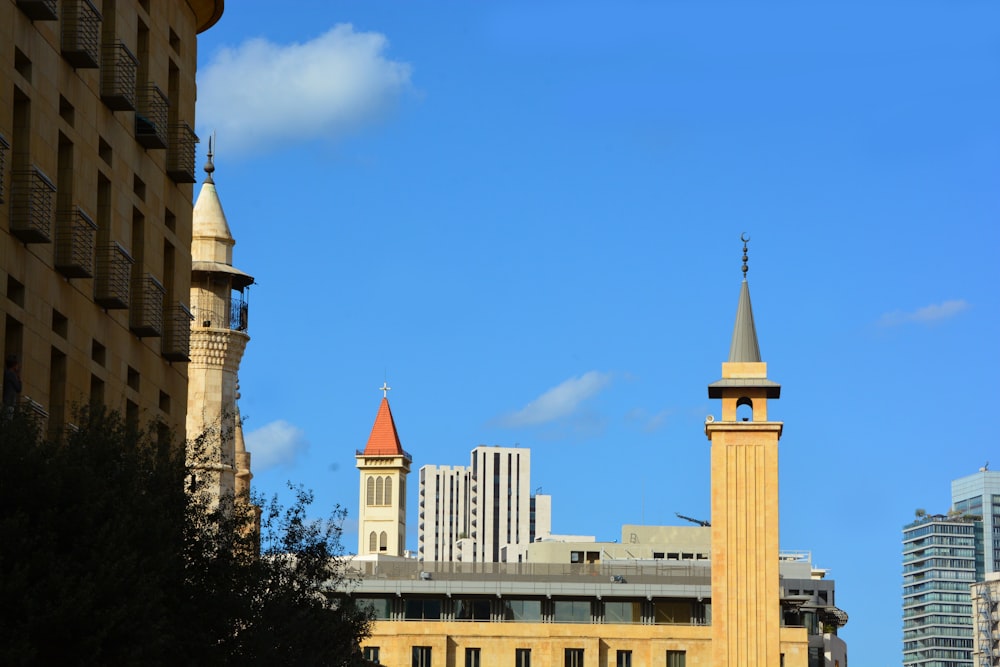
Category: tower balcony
[111,281]
[175,344]
[181,153]
[31,206]
[39,10]
[151,117]
[75,238]
[146,309]
[210,311]
[119,68]
[80,40]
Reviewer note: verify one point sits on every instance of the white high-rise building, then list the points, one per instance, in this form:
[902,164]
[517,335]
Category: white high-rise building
[481,513]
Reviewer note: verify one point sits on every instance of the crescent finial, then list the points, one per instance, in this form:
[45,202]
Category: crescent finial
[745,237]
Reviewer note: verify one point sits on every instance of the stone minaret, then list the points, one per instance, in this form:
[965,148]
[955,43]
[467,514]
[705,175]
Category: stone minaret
[384,466]
[746,607]
[218,339]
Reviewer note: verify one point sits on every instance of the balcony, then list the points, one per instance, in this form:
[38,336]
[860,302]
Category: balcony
[39,10]
[151,117]
[111,282]
[118,74]
[146,308]
[75,238]
[31,206]
[176,340]
[81,34]
[4,147]
[212,312]
[181,153]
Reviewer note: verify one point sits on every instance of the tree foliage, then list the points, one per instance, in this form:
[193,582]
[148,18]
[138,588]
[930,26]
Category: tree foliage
[105,559]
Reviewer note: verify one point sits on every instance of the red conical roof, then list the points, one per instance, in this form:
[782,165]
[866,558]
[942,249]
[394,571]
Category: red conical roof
[384,441]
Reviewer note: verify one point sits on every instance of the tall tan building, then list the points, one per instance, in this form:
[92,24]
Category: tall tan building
[218,339]
[97,158]
[383,466]
[746,603]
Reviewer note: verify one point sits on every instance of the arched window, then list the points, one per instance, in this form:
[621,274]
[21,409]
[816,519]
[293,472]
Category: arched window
[372,542]
[378,491]
[371,491]
[383,541]
[388,490]
[744,410]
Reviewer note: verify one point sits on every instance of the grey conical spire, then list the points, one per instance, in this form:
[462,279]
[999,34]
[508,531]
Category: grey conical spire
[744,346]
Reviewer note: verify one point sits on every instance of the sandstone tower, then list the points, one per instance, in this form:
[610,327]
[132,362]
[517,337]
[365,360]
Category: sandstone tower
[218,339]
[746,611]
[383,466]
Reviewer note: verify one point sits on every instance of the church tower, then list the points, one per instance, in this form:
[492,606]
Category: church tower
[218,339]
[746,607]
[384,466]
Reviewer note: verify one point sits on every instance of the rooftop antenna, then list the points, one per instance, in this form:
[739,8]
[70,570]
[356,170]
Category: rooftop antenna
[704,524]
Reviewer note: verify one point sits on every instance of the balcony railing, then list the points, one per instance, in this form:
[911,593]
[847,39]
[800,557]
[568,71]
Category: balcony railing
[75,238]
[176,340]
[181,153]
[81,34]
[111,282]
[151,117]
[212,312]
[146,308]
[4,147]
[32,205]
[39,10]
[118,74]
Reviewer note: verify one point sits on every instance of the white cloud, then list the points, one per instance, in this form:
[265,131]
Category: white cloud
[260,94]
[926,315]
[275,444]
[560,401]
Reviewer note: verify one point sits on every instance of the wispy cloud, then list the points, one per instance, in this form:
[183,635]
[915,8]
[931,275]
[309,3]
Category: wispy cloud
[259,93]
[560,401]
[646,421]
[275,444]
[926,315]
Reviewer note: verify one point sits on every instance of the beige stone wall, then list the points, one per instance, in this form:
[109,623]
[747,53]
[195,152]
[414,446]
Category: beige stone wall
[73,349]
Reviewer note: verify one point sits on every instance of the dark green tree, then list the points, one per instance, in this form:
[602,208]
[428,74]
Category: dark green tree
[106,559]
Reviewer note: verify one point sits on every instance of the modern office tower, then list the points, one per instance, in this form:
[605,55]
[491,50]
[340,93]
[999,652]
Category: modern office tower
[939,565]
[218,339]
[986,621]
[484,512]
[444,512]
[383,466]
[97,158]
[979,495]
[745,609]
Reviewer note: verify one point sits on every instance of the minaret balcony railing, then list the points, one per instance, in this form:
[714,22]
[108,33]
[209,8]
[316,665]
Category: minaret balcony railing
[146,309]
[176,340]
[32,205]
[81,34]
[39,10]
[151,117]
[4,147]
[212,312]
[76,235]
[181,153]
[119,68]
[111,282]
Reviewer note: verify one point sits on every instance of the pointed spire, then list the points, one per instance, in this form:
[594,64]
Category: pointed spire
[209,165]
[744,346]
[384,440]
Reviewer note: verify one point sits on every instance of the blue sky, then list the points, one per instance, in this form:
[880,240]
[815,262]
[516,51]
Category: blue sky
[526,216]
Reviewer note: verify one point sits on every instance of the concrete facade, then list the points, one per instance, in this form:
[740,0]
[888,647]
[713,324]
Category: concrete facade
[978,494]
[986,621]
[96,166]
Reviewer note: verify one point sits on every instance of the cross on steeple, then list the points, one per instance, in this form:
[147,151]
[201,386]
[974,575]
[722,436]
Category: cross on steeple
[385,389]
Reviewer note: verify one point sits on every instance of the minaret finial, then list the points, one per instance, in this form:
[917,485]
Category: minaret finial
[385,389]
[209,165]
[746,239]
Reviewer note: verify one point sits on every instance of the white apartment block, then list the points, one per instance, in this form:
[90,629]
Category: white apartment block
[481,513]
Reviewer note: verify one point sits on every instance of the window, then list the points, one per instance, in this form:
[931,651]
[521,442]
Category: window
[522,657]
[372,541]
[571,611]
[370,495]
[574,657]
[522,610]
[676,659]
[622,612]
[421,656]
[371,653]
[383,541]
[388,490]
[472,610]
[419,609]
[624,659]
[378,606]
[472,657]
